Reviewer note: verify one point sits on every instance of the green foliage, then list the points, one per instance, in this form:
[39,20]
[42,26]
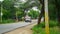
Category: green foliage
[8,4]
[7,21]
[54,30]
[7,14]
[33,14]
[39,30]
[9,11]
[53,9]
[51,24]
[42,25]
[20,14]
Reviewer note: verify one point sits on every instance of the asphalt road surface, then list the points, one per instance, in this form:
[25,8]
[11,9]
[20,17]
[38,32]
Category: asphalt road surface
[12,26]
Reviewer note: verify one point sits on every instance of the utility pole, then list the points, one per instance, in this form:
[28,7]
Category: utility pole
[46,17]
[1,9]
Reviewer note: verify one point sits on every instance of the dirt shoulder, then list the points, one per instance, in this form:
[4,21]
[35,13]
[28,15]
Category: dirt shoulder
[23,30]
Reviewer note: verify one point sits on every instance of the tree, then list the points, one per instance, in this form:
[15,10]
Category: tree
[8,8]
[57,3]
[52,10]
[29,4]
[34,14]
[42,11]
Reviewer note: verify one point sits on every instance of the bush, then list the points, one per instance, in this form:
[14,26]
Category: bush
[7,21]
[51,24]
[41,25]
[39,30]
[33,14]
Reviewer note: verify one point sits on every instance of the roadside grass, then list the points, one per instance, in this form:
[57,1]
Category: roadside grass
[54,30]
[41,28]
[7,21]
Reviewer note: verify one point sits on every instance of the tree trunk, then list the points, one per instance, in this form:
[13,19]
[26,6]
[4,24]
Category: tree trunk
[42,11]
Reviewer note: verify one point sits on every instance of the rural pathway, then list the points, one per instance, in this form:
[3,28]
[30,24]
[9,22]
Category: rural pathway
[23,30]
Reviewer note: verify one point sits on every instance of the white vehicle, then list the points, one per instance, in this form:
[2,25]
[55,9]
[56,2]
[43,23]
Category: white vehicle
[27,19]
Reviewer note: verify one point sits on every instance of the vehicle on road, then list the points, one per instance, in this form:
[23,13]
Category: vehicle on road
[28,19]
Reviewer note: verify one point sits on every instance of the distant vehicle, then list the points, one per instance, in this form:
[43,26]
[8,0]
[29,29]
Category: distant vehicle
[27,19]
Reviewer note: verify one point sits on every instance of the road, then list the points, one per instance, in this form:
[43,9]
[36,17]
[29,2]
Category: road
[12,26]
[23,30]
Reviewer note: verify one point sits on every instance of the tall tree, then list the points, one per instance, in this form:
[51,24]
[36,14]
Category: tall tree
[57,2]
[33,14]
[29,4]
[8,8]
[52,10]
[42,11]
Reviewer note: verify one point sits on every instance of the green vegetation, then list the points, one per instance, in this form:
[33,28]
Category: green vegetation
[33,14]
[41,28]
[8,21]
[51,24]
[52,10]
[11,13]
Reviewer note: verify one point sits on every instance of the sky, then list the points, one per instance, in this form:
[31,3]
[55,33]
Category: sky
[1,0]
[34,8]
[23,1]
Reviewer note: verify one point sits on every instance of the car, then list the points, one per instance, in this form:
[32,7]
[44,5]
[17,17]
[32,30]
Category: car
[27,19]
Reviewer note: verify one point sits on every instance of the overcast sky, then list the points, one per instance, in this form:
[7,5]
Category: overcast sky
[35,8]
